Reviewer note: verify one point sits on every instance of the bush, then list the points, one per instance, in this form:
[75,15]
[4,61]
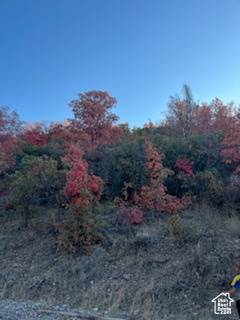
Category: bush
[155,196]
[79,232]
[209,186]
[37,182]
[132,215]
[117,164]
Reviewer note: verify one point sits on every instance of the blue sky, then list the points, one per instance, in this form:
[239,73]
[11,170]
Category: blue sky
[141,51]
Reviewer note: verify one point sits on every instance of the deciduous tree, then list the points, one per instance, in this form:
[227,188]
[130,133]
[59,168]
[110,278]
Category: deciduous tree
[94,118]
[9,128]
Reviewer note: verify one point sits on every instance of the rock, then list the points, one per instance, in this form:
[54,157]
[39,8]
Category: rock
[126,276]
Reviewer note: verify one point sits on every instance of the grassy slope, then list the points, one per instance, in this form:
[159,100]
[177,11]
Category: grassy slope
[165,269]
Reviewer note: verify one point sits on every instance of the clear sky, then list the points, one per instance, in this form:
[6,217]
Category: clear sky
[141,51]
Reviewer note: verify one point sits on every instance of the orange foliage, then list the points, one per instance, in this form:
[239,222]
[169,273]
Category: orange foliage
[94,119]
[154,196]
[231,142]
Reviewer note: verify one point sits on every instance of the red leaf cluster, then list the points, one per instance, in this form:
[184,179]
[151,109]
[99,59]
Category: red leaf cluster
[154,196]
[132,215]
[185,166]
[82,188]
[35,136]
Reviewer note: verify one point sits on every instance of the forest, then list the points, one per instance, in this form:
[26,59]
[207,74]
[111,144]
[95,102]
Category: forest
[85,165]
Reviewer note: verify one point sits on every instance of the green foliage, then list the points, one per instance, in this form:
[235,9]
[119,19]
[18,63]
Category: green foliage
[117,164]
[37,182]
[52,150]
[209,186]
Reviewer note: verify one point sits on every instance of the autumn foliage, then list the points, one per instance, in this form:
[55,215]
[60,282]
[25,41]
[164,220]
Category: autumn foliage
[154,196]
[35,135]
[185,166]
[82,189]
[80,164]
[130,215]
[94,120]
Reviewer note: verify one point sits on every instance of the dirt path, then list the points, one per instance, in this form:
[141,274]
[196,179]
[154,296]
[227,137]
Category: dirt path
[15,310]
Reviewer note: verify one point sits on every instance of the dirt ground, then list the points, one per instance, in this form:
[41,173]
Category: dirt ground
[168,268]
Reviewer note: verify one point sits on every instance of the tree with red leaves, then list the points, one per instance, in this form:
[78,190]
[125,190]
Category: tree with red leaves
[82,188]
[94,119]
[67,134]
[154,196]
[83,191]
[187,117]
[35,135]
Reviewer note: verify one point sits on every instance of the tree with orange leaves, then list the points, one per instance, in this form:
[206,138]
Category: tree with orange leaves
[94,119]
[154,196]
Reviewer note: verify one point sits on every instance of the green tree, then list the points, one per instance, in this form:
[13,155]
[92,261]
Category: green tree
[37,182]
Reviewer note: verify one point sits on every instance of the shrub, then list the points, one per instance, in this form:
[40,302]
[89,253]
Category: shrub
[155,195]
[119,163]
[209,186]
[132,215]
[83,191]
[79,232]
[174,225]
[38,181]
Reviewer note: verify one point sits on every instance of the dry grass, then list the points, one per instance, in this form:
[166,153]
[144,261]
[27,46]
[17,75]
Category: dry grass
[144,271]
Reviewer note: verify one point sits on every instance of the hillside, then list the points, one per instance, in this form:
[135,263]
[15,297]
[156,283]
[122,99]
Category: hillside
[167,268]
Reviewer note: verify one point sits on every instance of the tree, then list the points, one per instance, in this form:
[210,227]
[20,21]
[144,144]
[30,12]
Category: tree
[82,189]
[83,192]
[119,163]
[181,112]
[155,196]
[231,143]
[9,128]
[38,181]
[35,135]
[94,119]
